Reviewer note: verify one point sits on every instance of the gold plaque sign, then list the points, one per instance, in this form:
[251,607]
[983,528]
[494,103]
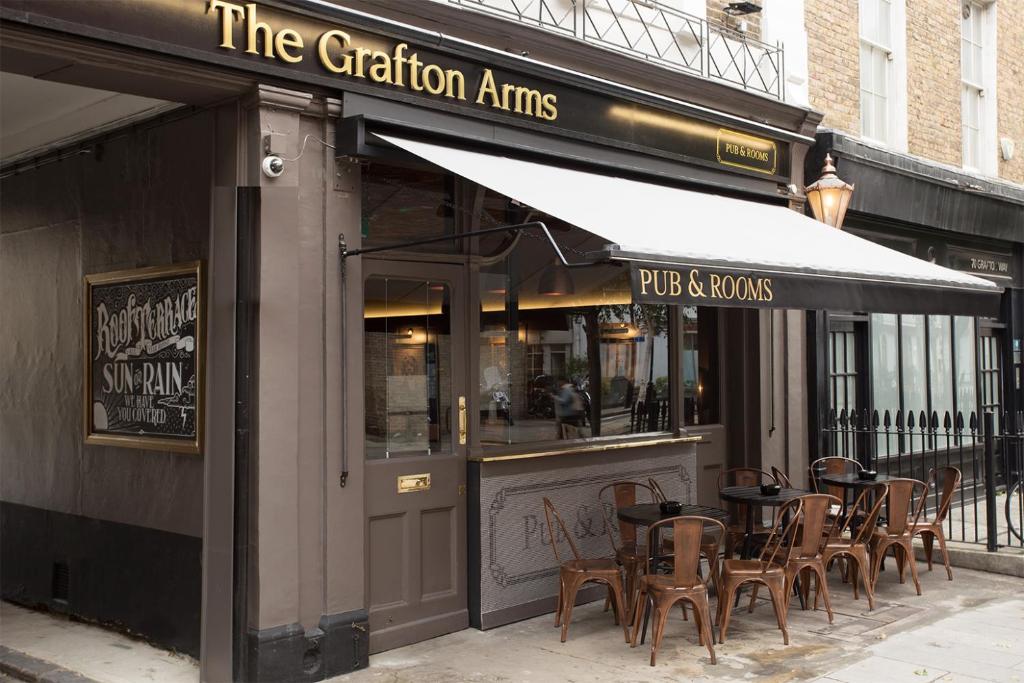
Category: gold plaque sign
[746,151]
[410,483]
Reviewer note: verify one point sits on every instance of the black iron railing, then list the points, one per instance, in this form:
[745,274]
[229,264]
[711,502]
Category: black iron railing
[987,506]
[655,32]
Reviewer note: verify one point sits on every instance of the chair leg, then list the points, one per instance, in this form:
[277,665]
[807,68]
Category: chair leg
[753,598]
[928,539]
[821,586]
[660,617]
[901,562]
[620,607]
[702,615]
[570,600]
[561,601]
[725,611]
[941,538]
[779,594]
[639,606]
[862,568]
[908,558]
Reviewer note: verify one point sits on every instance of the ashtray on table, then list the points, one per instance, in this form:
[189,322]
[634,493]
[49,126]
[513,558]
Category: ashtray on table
[671,507]
[770,489]
[867,475]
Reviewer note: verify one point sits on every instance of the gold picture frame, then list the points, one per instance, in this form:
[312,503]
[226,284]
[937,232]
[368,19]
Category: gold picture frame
[124,335]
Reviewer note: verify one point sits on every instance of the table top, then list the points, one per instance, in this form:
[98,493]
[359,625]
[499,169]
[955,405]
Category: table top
[751,495]
[647,514]
[851,480]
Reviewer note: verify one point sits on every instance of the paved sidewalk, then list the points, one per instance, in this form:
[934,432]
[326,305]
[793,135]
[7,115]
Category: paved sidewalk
[91,651]
[968,630]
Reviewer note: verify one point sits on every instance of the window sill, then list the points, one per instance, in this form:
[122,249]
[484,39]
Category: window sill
[582,448]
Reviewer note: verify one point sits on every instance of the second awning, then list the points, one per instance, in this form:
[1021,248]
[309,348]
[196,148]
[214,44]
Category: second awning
[698,248]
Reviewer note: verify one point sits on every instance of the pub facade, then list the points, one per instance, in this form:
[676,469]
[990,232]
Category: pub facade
[309,305]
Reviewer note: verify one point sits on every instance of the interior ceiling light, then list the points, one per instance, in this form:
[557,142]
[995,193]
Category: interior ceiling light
[740,8]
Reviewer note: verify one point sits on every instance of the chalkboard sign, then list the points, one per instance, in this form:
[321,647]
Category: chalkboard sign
[144,358]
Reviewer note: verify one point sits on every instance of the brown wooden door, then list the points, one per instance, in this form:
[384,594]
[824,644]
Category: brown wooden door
[414,343]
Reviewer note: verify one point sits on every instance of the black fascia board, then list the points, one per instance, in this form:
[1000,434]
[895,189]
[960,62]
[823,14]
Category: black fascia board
[905,189]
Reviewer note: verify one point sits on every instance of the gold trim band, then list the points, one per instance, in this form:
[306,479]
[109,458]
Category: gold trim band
[585,450]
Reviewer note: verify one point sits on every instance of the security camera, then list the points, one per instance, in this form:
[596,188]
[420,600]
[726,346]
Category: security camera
[273,166]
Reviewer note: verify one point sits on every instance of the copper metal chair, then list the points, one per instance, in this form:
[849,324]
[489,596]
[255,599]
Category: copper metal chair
[946,480]
[834,465]
[781,477]
[628,553]
[814,528]
[737,529]
[710,544]
[578,571]
[769,570]
[898,535]
[856,547]
[683,584]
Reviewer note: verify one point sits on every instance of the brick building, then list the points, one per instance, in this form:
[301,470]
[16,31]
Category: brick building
[923,109]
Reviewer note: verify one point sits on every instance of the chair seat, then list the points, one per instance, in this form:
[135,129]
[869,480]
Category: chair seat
[596,566]
[664,582]
[751,567]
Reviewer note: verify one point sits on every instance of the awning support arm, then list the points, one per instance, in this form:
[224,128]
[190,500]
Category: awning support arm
[345,252]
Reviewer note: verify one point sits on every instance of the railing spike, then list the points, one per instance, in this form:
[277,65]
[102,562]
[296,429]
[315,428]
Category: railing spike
[959,421]
[832,418]
[842,418]
[887,420]
[933,424]
[947,421]
[922,420]
[974,421]
[910,419]
[874,418]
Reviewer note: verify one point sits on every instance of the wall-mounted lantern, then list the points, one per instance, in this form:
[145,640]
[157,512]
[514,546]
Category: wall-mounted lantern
[829,196]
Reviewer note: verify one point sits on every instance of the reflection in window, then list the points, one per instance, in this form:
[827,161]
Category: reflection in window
[407,350]
[404,204]
[565,354]
[700,364]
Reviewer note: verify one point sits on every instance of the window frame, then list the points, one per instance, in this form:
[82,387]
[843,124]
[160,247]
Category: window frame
[978,89]
[894,126]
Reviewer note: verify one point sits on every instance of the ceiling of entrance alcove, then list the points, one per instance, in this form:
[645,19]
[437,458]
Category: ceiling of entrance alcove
[36,115]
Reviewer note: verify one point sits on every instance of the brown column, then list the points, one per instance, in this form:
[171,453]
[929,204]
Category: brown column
[306,582]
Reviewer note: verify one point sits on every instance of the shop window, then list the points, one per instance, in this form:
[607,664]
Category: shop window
[564,353]
[990,371]
[700,364]
[927,364]
[406,204]
[407,348]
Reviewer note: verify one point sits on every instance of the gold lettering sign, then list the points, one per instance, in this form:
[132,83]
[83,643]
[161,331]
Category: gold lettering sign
[400,68]
[746,151]
[712,287]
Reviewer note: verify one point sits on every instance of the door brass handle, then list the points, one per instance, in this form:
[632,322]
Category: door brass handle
[462,420]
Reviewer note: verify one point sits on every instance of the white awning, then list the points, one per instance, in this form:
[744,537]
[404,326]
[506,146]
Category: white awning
[663,230]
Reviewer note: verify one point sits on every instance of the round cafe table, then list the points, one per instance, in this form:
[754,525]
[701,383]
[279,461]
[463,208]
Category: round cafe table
[751,496]
[850,480]
[646,514]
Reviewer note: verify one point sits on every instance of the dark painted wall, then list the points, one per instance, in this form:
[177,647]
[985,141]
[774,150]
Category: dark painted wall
[121,518]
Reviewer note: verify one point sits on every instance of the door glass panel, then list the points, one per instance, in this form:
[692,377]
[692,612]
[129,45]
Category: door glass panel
[407,348]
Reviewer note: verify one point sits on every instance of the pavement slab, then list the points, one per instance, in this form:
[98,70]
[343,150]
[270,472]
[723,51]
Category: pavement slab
[964,631]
